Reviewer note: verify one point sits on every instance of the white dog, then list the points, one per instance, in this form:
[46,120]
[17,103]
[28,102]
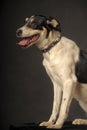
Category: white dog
[64,62]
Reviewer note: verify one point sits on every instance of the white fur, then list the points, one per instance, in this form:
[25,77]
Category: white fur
[59,63]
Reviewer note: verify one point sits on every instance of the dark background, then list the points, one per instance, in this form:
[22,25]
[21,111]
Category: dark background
[26,91]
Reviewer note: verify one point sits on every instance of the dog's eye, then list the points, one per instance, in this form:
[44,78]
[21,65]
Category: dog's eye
[34,25]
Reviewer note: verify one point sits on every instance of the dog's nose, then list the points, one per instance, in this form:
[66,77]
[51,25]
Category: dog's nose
[19,32]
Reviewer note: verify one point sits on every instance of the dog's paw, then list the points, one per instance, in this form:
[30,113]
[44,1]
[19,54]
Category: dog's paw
[55,126]
[46,123]
[79,122]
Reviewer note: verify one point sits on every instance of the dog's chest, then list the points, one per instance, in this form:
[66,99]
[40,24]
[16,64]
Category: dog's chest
[52,60]
[55,65]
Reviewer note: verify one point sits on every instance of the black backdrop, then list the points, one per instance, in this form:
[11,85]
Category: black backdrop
[26,92]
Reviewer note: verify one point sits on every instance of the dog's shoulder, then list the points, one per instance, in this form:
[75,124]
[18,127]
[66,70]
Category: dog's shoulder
[70,46]
[66,39]
[67,42]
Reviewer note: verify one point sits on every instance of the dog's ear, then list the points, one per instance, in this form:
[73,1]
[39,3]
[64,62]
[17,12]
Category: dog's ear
[26,20]
[53,23]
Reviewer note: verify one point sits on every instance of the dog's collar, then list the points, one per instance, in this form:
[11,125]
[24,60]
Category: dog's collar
[51,45]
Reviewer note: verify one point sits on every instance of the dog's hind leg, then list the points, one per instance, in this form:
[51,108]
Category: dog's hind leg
[81,121]
[83,104]
[82,94]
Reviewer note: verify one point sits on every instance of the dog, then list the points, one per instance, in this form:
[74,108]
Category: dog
[65,64]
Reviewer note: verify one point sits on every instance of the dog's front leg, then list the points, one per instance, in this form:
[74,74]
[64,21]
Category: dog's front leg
[57,97]
[56,102]
[56,105]
[68,89]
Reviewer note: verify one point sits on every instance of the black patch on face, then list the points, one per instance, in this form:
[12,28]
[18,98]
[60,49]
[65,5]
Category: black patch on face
[37,23]
[81,67]
[40,21]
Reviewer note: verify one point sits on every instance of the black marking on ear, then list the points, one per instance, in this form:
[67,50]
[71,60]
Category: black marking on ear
[49,27]
[57,27]
[81,67]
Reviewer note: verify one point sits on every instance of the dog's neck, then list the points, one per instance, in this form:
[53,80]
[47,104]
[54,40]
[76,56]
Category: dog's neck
[51,45]
[50,41]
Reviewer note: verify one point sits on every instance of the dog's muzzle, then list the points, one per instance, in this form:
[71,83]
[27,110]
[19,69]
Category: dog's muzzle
[26,41]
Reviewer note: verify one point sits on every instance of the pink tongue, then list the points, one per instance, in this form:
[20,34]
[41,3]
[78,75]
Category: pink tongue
[23,42]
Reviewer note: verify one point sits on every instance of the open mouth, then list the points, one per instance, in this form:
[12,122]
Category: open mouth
[28,41]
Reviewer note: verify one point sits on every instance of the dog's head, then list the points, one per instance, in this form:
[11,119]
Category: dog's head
[37,29]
